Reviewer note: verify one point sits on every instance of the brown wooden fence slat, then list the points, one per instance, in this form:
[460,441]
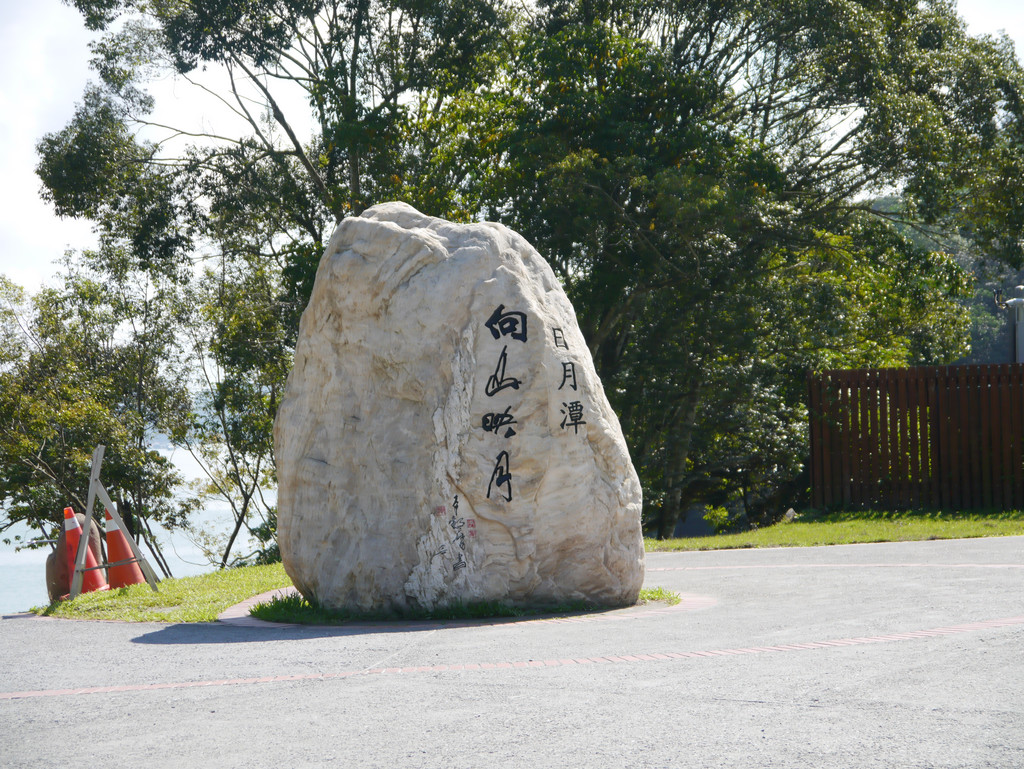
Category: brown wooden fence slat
[995,437]
[1004,449]
[903,456]
[1017,434]
[884,465]
[923,443]
[949,437]
[863,384]
[866,448]
[983,428]
[963,424]
[857,472]
[846,446]
[814,386]
[967,429]
[913,445]
[828,438]
[834,426]
[894,435]
[938,495]
[953,447]
[874,469]
[943,460]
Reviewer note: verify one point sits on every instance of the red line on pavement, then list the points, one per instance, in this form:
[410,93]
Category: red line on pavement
[626,659]
[738,567]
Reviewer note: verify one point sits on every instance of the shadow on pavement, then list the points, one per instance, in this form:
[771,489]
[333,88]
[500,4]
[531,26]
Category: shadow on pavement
[224,633]
[219,633]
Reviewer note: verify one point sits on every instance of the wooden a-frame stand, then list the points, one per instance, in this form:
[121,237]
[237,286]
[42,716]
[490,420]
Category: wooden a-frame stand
[96,489]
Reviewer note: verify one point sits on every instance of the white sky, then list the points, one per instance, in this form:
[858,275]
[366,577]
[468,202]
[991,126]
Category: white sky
[43,71]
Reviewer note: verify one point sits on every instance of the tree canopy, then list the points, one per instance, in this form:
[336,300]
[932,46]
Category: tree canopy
[80,367]
[701,177]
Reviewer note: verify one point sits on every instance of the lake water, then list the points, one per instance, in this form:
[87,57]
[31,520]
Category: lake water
[22,581]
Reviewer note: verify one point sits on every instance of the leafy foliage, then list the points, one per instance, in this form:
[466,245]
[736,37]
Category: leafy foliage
[235,358]
[82,366]
[693,172]
[701,176]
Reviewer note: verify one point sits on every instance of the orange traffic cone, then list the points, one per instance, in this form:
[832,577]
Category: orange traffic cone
[123,569]
[92,578]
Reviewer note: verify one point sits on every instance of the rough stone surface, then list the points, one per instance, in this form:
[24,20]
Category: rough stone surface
[443,435]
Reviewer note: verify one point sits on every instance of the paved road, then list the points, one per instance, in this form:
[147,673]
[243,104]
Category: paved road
[889,655]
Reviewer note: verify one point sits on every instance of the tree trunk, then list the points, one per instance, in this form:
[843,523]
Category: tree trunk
[240,517]
[679,437]
[146,536]
[125,509]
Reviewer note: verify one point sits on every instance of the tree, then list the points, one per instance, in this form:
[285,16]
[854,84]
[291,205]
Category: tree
[700,175]
[695,172]
[361,67]
[236,353]
[368,71]
[82,365]
[234,225]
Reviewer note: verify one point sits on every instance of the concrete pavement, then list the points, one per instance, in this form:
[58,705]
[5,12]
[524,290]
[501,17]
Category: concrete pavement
[888,655]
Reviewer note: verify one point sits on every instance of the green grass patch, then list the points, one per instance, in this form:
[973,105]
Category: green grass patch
[850,527]
[188,599]
[296,609]
[659,595]
[202,598]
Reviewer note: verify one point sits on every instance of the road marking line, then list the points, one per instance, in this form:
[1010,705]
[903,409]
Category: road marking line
[739,567]
[625,659]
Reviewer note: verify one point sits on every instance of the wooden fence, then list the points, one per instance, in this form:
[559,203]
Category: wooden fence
[945,437]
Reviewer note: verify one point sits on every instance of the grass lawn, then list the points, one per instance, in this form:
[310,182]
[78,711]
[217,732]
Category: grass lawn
[202,598]
[296,609]
[847,528]
[188,599]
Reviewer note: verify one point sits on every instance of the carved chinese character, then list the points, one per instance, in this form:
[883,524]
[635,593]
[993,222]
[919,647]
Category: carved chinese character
[501,477]
[559,338]
[498,381]
[510,323]
[568,374]
[493,422]
[573,415]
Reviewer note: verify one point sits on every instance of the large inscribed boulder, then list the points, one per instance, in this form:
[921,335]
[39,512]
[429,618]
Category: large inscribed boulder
[443,435]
